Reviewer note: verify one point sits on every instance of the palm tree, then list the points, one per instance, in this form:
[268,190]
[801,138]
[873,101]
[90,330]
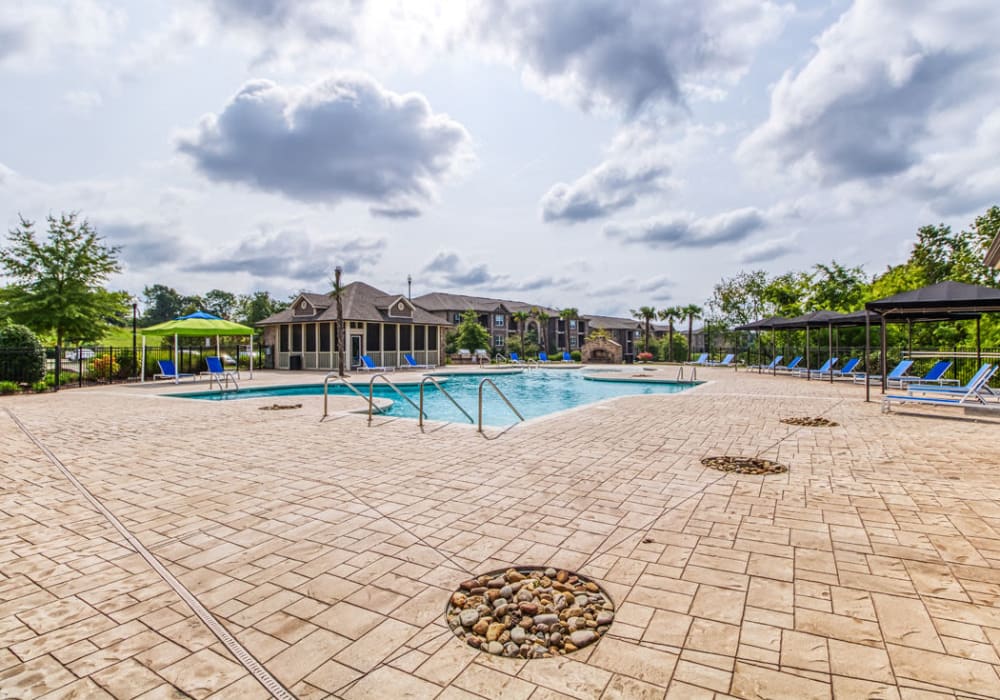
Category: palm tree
[522,321]
[568,315]
[338,292]
[669,314]
[543,321]
[646,314]
[692,311]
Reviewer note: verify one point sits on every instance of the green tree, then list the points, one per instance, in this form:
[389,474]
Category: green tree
[542,317]
[162,303]
[253,308]
[58,283]
[569,314]
[522,322]
[221,303]
[23,355]
[669,314]
[835,287]
[645,314]
[783,294]
[691,311]
[470,335]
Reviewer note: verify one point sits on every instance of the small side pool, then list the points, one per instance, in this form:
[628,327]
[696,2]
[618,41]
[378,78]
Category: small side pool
[534,393]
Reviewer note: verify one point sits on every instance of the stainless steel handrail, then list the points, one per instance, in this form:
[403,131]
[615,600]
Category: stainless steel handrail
[371,394]
[336,377]
[227,376]
[694,374]
[420,414]
[680,374]
[489,381]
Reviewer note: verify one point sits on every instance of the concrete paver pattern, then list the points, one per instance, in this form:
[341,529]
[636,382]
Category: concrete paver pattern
[329,549]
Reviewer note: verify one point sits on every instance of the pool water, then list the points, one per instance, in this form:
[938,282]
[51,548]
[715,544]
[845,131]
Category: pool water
[535,393]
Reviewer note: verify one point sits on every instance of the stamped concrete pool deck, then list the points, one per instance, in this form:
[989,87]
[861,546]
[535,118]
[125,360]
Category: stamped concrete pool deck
[329,549]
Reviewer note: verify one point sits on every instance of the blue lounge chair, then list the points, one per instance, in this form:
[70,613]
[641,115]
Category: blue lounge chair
[972,393]
[702,360]
[413,364]
[515,358]
[935,375]
[848,369]
[215,368]
[771,365]
[368,366]
[790,366]
[168,370]
[567,357]
[897,372]
[727,361]
[825,368]
[543,357]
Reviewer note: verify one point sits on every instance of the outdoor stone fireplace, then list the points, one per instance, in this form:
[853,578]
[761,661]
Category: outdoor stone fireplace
[601,351]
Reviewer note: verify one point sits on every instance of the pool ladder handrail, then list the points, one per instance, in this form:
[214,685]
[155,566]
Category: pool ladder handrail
[392,385]
[337,378]
[503,396]
[694,374]
[435,382]
[223,389]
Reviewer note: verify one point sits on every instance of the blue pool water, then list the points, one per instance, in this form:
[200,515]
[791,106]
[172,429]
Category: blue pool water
[534,393]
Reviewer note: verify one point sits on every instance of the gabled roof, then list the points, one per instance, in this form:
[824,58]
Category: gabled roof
[361,302]
[444,301]
[612,322]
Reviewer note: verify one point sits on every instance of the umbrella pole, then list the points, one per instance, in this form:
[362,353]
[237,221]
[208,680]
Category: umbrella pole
[142,371]
[177,361]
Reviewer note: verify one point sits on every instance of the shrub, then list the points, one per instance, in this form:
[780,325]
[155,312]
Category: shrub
[105,367]
[576,355]
[67,378]
[7,387]
[39,387]
[22,358]
[644,356]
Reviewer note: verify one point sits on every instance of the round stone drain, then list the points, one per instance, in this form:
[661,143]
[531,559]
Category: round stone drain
[744,465]
[817,422]
[529,613]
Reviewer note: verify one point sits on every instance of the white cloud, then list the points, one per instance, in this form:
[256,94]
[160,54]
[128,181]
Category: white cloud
[343,138]
[685,230]
[34,34]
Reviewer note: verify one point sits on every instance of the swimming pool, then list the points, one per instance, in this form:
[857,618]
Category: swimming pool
[535,393]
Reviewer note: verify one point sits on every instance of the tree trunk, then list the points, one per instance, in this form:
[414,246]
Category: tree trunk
[690,329]
[341,331]
[670,342]
[58,358]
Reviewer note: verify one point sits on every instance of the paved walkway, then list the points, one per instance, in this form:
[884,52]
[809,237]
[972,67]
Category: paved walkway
[328,549]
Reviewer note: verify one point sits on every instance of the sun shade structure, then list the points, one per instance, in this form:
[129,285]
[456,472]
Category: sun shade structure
[200,324]
[942,301]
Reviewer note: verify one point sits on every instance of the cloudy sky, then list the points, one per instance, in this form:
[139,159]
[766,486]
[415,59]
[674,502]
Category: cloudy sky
[595,154]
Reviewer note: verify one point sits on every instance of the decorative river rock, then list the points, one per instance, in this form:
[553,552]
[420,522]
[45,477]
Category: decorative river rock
[744,465]
[808,422]
[530,613]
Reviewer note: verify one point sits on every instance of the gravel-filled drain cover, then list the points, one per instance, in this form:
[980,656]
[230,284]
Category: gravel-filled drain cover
[530,613]
[744,465]
[817,422]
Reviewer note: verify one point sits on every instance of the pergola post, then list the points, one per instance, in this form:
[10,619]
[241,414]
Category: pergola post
[868,358]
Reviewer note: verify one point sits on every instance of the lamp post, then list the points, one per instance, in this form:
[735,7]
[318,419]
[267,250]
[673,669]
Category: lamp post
[135,315]
[409,287]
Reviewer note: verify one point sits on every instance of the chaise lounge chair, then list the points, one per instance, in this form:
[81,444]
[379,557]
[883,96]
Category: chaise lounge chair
[515,359]
[897,373]
[413,364]
[169,371]
[368,366]
[770,365]
[935,375]
[847,371]
[543,357]
[825,368]
[702,360]
[727,361]
[790,367]
[215,368]
[567,357]
[972,393]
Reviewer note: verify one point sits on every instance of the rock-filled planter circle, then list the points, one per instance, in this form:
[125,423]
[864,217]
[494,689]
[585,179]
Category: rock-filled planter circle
[529,613]
[817,422]
[744,465]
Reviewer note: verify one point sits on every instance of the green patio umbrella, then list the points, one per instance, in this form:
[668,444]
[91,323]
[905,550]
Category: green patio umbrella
[199,324]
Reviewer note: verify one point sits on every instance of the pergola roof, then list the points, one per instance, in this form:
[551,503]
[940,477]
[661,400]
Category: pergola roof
[813,319]
[942,299]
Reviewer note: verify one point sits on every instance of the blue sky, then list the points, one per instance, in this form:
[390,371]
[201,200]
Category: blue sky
[594,154]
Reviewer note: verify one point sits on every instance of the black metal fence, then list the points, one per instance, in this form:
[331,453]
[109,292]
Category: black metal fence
[96,364]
